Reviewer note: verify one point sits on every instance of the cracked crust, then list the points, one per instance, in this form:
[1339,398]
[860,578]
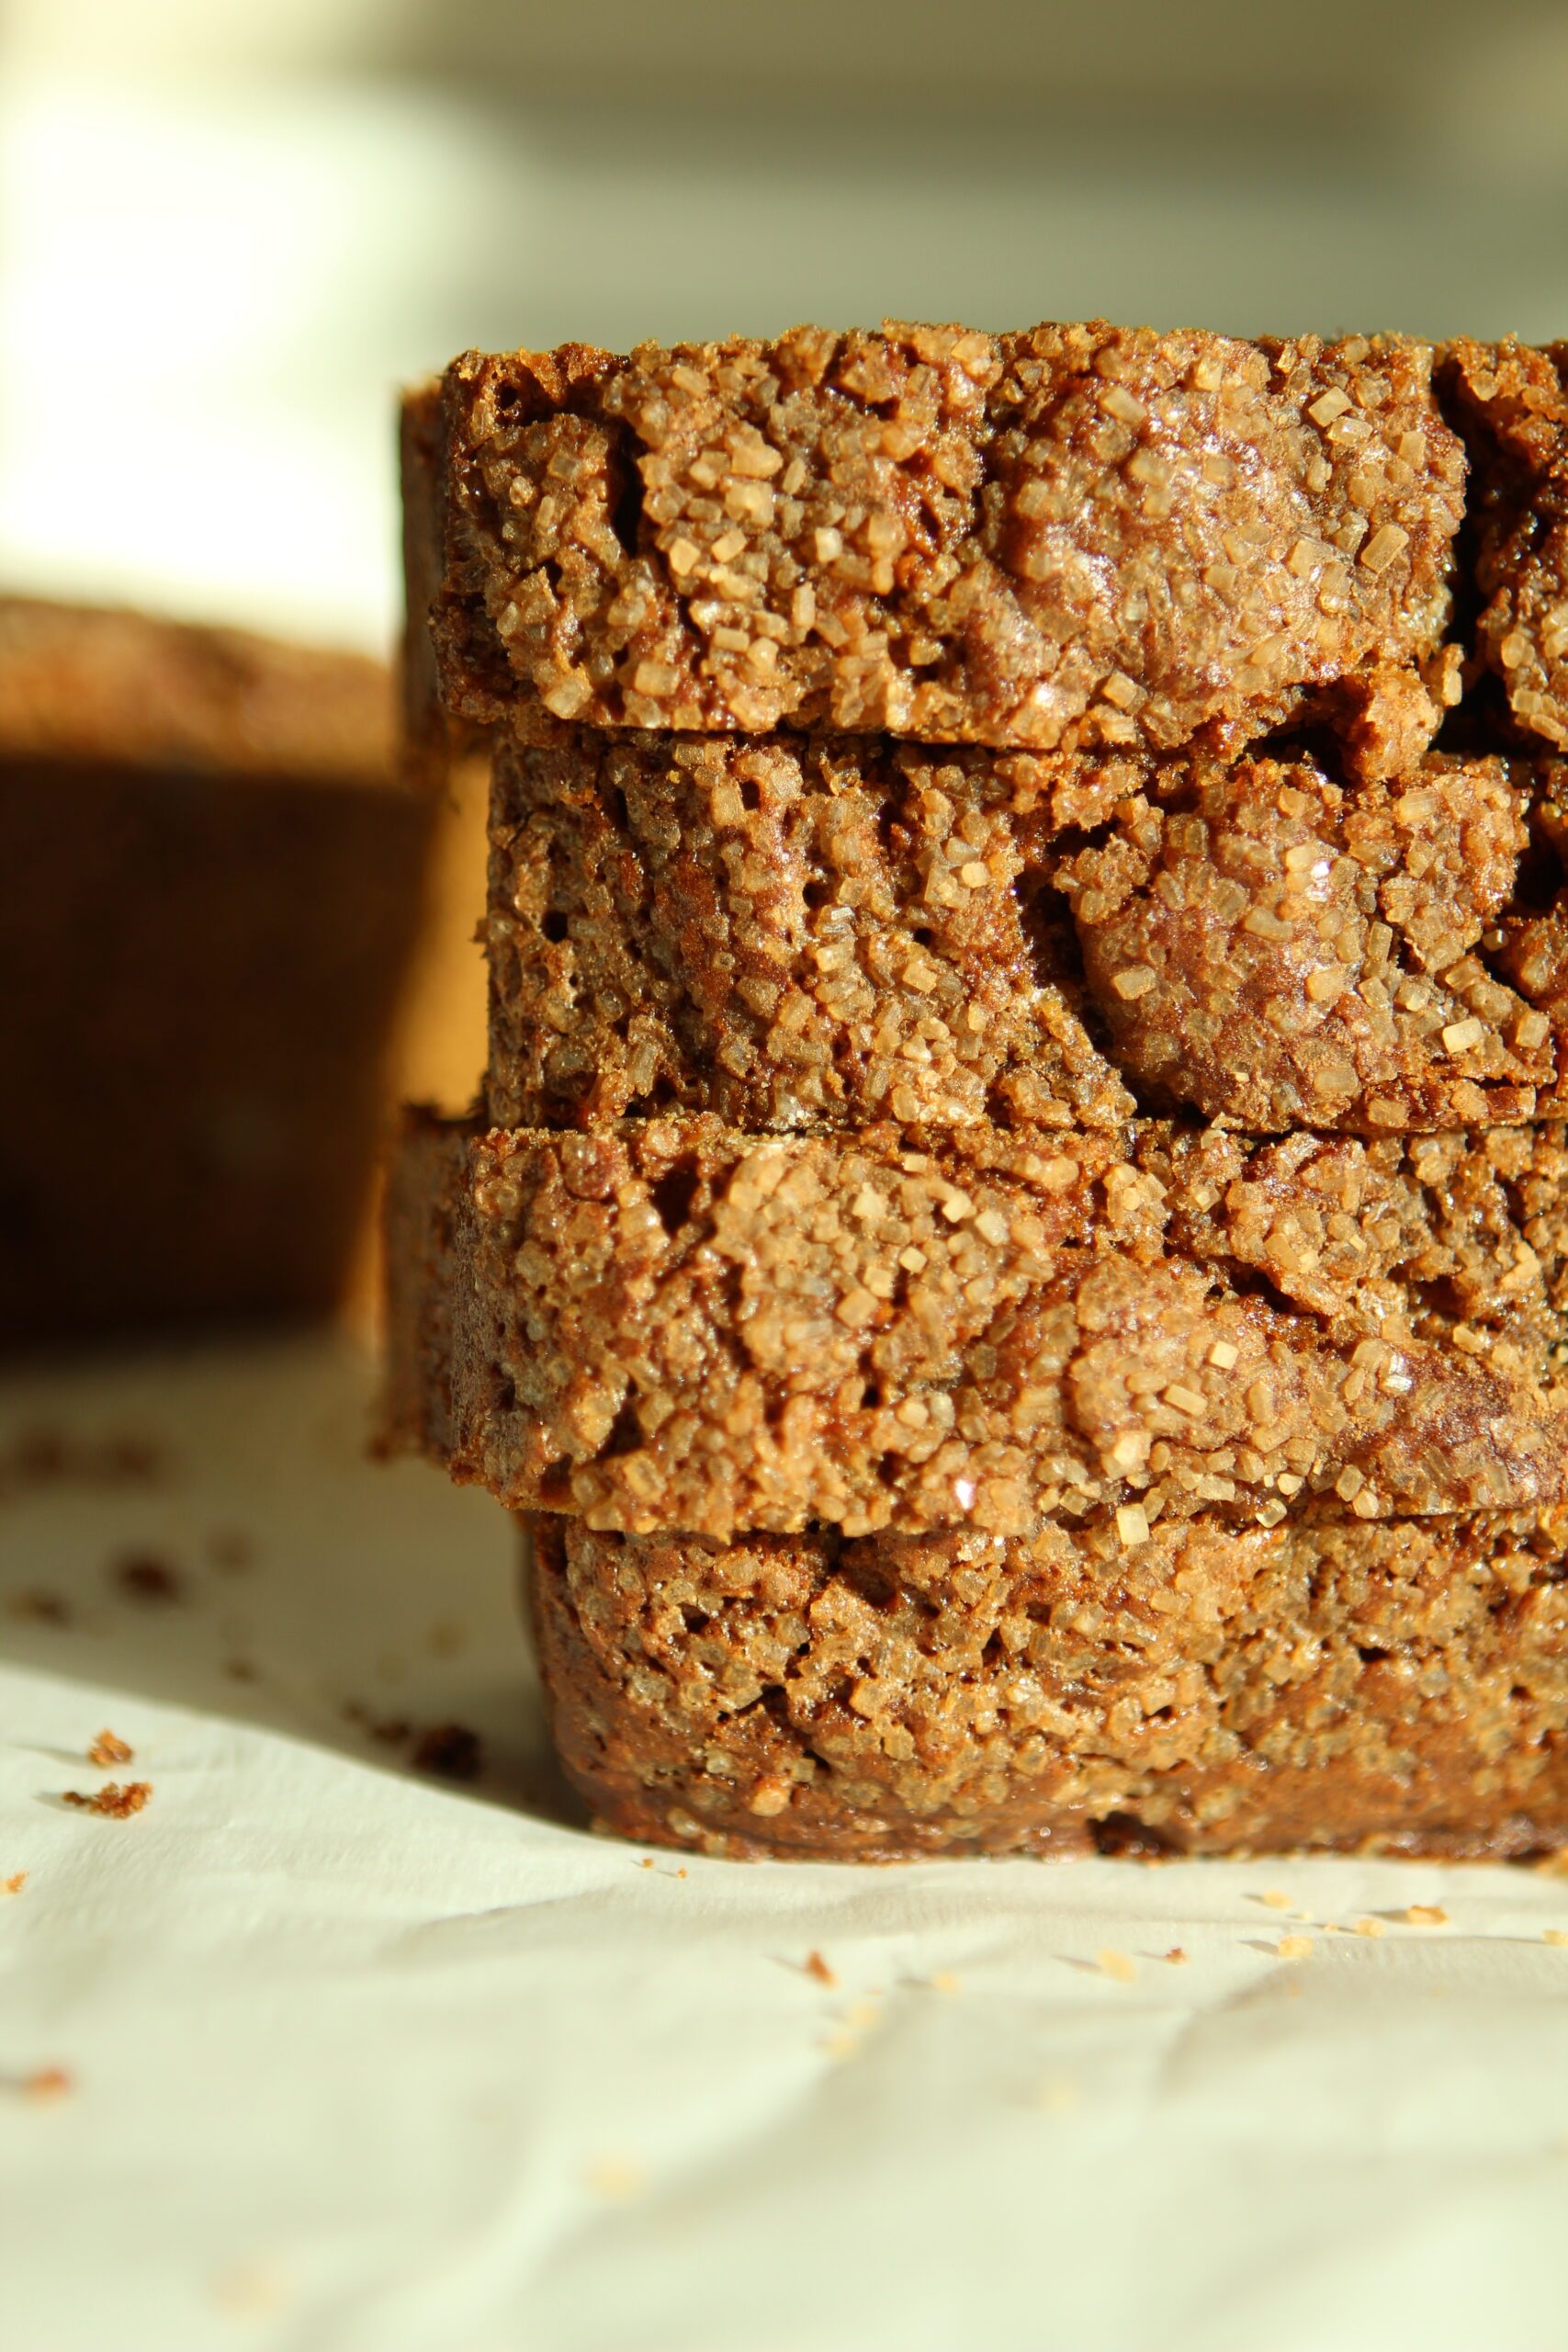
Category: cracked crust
[799,931]
[676,1326]
[1073,536]
[1400,1687]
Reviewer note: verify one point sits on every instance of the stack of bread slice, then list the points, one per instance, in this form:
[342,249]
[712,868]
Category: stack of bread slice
[1016,1252]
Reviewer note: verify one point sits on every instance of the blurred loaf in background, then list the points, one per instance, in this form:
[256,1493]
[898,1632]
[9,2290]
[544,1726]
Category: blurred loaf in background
[221,908]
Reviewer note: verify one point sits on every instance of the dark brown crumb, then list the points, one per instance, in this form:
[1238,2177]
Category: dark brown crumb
[47,2082]
[817,1967]
[109,1748]
[14,1883]
[240,1669]
[39,1608]
[228,1548]
[1175,1955]
[147,1578]
[451,1750]
[115,1801]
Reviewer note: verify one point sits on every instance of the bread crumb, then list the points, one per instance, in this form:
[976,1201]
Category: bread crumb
[1176,1956]
[14,1883]
[1119,1965]
[445,1638]
[1058,2097]
[1367,1927]
[47,2082]
[1554,1936]
[38,1608]
[1275,1900]
[146,1577]
[451,1750]
[1427,1915]
[614,2177]
[817,1967]
[1294,1947]
[109,1748]
[943,1980]
[227,1548]
[114,1800]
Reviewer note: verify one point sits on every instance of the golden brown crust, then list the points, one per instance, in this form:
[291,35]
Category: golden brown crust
[1075,536]
[676,1326]
[793,931]
[1401,1687]
[119,689]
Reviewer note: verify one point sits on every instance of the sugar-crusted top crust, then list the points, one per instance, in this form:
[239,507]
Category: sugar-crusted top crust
[121,689]
[1078,535]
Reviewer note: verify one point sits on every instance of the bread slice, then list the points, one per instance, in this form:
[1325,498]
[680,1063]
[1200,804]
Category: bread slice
[792,931]
[1077,536]
[672,1326]
[1397,1687]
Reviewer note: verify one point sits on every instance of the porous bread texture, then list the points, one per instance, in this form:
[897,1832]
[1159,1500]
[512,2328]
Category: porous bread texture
[797,931]
[1072,536]
[674,1326]
[1401,1687]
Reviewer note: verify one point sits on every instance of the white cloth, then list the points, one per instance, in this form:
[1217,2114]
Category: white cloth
[361,2062]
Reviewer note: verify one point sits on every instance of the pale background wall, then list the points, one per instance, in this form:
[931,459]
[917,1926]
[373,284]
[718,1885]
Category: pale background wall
[227,226]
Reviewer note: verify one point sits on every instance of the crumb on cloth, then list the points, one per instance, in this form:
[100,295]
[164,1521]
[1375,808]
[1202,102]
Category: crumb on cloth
[45,2083]
[451,1750]
[116,1800]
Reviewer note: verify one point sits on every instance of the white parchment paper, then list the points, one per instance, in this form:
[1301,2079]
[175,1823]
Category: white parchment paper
[360,2062]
